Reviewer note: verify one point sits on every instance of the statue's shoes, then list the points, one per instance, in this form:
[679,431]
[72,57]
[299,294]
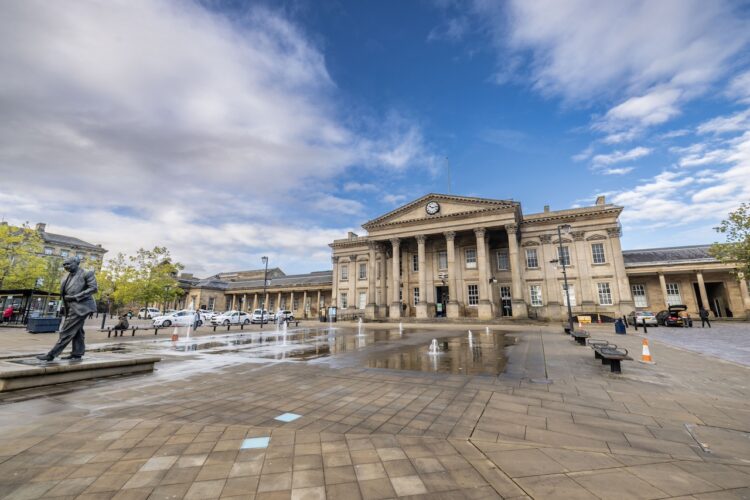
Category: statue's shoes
[72,358]
[45,357]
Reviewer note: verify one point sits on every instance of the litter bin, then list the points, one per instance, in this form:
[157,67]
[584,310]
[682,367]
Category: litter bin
[43,325]
[619,327]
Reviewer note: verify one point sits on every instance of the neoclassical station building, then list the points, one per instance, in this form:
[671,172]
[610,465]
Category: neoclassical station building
[463,257]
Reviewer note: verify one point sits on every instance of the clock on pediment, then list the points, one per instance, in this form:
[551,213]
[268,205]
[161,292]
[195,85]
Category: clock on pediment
[432,208]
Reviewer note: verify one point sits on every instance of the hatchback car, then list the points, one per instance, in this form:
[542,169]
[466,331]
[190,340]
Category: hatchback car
[231,318]
[642,318]
[676,315]
[149,313]
[285,315]
[260,316]
[185,317]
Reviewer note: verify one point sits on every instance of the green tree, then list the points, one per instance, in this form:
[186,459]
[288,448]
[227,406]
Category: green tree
[736,250]
[21,263]
[146,278]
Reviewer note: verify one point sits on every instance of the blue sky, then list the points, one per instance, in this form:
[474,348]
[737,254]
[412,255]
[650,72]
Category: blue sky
[230,130]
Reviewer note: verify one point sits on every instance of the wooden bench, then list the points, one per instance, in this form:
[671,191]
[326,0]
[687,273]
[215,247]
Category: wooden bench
[580,336]
[612,355]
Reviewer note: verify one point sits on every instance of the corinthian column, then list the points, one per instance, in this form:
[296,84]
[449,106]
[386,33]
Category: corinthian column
[485,306]
[395,309]
[371,310]
[517,301]
[453,309]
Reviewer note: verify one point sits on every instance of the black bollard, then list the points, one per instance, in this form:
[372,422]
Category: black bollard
[104,317]
[214,327]
[109,332]
[133,334]
[635,323]
[645,330]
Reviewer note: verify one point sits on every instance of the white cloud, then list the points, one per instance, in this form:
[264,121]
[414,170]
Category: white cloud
[620,137]
[162,107]
[617,171]
[724,124]
[739,87]
[394,199]
[655,107]
[583,155]
[621,156]
[360,187]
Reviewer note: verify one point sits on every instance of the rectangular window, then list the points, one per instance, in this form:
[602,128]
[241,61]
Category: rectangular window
[502,260]
[416,296]
[344,300]
[400,295]
[415,262]
[605,294]
[443,260]
[295,304]
[80,255]
[271,303]
[532,262]
[571,293]
[471,258]
[282,303]
[639,295]
[363,270]
[597,252]
[673,294]
[473,293]
[362,300]
[64,253]
[535,293]
[49,250]
[564,259]
[344,272]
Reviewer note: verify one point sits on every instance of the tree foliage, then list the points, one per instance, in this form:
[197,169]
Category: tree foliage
[21,263]
[148,277]
[736,250]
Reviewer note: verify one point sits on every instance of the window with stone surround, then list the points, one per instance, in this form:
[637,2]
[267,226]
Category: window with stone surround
[443,260]
[344,272]
[502,260]
[673,294]
[362,300]
[49,251]
[605,294]
[363,270]
[344,297]
[64,253]
[532,261]
[473,294]
[563,259]
[471,258]
[571,293]
[639,295]
[535,293]
[415,263]
[295,304]
[416,296]
[597,253]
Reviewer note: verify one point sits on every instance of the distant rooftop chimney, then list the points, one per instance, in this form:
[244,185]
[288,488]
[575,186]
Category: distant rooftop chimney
[352,235]
[41,226]
[600,200]
[546,208]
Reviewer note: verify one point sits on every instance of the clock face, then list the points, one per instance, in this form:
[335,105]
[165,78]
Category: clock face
[432,208]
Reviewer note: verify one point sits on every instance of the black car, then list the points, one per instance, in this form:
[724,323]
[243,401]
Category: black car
[672,317]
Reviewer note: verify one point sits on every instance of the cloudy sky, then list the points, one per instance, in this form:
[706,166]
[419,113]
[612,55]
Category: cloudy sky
[227,130]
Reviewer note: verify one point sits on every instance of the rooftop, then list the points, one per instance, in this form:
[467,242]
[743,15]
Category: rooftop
[668,255]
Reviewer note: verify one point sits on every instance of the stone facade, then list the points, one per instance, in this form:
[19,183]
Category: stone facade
[59,246]
[455,256]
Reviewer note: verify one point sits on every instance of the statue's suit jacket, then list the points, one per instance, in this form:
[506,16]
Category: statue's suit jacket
[75,283]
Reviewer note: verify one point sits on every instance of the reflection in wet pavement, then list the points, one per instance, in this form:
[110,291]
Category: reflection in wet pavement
[381,348]
[483,354]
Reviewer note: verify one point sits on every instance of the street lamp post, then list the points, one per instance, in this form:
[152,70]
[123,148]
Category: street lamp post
[265,282]
[560,229]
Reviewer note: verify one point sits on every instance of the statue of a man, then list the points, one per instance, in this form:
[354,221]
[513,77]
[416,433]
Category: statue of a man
[76,292]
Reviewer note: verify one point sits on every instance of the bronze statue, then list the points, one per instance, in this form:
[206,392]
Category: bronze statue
[77,291]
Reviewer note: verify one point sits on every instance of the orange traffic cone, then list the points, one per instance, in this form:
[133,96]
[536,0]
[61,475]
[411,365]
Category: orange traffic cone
[175,337]
[646,356]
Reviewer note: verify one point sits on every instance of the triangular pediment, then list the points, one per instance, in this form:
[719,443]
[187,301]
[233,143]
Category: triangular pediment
[447,206]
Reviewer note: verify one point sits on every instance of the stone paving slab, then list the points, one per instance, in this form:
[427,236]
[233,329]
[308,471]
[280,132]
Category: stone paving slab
[369,433]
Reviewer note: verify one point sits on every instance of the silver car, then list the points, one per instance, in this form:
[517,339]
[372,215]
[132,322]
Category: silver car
[642,318]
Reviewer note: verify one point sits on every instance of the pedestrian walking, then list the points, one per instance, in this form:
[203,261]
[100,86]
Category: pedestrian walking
[704,318]
[7,314]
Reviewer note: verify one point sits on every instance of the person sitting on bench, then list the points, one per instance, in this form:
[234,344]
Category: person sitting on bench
[122,324]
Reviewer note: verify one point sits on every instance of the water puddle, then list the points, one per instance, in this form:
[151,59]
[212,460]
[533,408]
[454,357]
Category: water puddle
[482,354]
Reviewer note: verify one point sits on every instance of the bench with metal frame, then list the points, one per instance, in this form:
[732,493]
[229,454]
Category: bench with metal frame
[110,330]
[580,336]
[611,355]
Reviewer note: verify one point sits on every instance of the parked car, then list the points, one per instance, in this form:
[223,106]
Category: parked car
[642,317]
[231,318]
[260,316]
[206,316]
[185,317]
[284,315]
[675,315]
[148,313]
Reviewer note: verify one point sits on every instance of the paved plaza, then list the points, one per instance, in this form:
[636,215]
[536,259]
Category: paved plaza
[554,424]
